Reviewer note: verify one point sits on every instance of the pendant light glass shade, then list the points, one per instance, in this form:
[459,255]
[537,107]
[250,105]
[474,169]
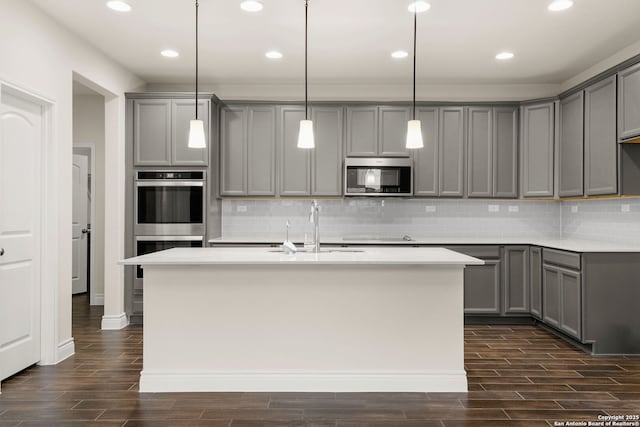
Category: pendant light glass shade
[414,134]
[305,137]
[196,134]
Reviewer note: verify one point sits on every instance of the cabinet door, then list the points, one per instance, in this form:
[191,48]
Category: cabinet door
[393,131]
[505,152]
[233,148]
[480,152]
[535,281]
[551,306]
[295,164]
[425,160]
[571,308]
[482,288]
[327,157]
[183,111]
[600,143]
[571,143]
[537,150]
[152,132]
[451,151]
[516,279]
[261,151]
[362,131]
[629,103]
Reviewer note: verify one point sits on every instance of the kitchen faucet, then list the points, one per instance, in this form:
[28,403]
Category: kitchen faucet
[314,217]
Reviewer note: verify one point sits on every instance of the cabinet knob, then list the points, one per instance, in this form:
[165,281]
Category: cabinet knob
[1,251]
[85,231]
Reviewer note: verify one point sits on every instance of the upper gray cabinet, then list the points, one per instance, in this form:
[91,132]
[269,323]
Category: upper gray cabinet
[537,150]
[161,132]
[425,160]
[492,152]
[571,144]
[233,151]
[327,156]
[295,163]
[377,131]
[451,152]
[600,143]
[629,103]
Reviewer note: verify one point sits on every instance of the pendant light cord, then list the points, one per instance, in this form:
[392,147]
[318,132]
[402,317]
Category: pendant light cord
[306,85]
[197,5]
[415,30]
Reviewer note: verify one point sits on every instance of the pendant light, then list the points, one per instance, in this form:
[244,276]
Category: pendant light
[414,128]
[196,127]
[305,136]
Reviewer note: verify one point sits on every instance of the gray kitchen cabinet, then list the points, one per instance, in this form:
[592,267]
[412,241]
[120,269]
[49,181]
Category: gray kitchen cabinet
[516,279]
[505,152]
[571,146]
[327,157]
[392,132]
[600,143]
[629,103]
[535,281]
[537,150]
[551,296]
[482,288]
[152,132]
[480,152]
[233,151]
[182,112]
[295,163]
[362,131]
[425,160]
[562,292]
[451,152]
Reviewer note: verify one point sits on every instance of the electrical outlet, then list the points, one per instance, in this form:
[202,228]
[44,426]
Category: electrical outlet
[242,208]
[514,208]
[574,209]
[494,208]
[625,208]
[430,209]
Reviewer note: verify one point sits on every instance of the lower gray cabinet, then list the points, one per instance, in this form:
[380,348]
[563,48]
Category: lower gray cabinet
[516,279]
[562,293]
[482,283]
[551,296]
[535,281]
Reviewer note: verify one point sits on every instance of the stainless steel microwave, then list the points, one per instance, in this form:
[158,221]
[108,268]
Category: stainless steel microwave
[378,176]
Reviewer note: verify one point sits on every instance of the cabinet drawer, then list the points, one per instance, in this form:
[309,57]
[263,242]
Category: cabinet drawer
[484,252]
[562,258]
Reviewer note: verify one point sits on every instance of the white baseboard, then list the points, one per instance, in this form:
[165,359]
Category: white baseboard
[303,381]
[65,350]
[115,322]
[98,299]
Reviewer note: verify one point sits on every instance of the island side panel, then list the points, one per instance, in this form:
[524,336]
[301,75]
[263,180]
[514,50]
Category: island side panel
[303,328]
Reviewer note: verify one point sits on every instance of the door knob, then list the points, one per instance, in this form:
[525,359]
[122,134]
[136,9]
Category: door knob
[1,251]
[85,231]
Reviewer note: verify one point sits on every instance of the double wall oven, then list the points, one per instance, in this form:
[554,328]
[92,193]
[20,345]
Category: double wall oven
[170,211]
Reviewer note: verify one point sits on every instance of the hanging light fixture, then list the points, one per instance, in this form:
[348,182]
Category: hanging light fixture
[196,127]
[305,137]
[414,129]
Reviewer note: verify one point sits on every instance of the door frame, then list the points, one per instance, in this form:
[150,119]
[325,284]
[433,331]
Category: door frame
[51,352]
[93,298]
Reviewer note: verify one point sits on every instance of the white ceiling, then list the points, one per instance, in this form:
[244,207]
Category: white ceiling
[350,41]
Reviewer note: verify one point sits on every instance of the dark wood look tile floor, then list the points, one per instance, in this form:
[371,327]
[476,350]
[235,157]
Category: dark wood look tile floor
[518,376]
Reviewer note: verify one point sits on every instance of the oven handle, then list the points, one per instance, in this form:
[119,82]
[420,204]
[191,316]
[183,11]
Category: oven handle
[170,184]
[169,238]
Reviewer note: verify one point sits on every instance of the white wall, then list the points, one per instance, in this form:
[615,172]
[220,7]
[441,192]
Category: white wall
[88,128]
[40,56]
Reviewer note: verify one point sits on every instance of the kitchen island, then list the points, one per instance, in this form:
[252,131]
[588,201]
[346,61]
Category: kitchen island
[343,320]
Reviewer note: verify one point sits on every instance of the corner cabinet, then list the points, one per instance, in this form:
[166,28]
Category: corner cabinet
[377,131]
[629,103]
[571,146]
[537,145]
[161,132]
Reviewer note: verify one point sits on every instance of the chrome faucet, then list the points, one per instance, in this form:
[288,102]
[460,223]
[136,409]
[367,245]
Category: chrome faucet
[314,217]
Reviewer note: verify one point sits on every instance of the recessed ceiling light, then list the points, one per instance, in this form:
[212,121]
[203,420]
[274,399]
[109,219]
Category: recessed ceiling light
[273,54]
[169,53]
[504,55]
[118,6]
[399,54]
[558,5]
[251,6]
[419,6]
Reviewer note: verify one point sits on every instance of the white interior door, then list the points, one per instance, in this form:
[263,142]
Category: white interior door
[20,213]
[80,223]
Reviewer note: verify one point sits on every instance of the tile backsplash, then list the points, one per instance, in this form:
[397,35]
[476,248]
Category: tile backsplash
[369,217]
[615,220]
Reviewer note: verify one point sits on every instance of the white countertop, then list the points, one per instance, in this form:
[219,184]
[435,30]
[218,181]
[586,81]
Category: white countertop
[574,245]
[337,256]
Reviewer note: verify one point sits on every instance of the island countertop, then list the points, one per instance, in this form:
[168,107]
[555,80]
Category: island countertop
[329,256]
